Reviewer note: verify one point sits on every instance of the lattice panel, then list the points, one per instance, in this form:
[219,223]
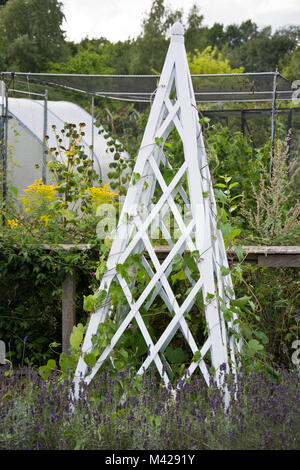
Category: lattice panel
[173,107]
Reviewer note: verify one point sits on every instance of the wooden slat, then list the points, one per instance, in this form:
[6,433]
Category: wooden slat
[68,310]
[277,261]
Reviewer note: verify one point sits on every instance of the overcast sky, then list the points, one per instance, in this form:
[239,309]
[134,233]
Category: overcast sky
[121,19]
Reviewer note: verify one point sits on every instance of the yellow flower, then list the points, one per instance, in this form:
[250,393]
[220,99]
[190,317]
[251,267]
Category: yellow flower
[37,194]
[12,223]
[102,195]
[44,219]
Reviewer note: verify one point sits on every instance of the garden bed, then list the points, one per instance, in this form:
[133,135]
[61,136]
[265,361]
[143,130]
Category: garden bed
[36,414]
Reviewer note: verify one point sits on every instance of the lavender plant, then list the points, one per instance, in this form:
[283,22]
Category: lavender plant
[36,414]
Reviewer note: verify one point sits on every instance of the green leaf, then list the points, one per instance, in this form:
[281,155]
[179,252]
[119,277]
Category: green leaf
[68,214]
[197,357]
[255,346]
[180,276]
[261,336]
[88,303]
[190,262]
[51,364]
[241,302]
[67,362]
[227,313]
[90,359]
[209,297]
[225,228]
[175,355]
[238,251]
[135,178]
[124,354]
[76,337]
[177,262]
[225,271]
[99,296]
[168,175]
[235,233]
[104,248]
[221,196]
[46,370]
[158,141]
[155,421]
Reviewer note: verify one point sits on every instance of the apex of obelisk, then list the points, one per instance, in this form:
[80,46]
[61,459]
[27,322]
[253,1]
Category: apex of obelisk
[177,32]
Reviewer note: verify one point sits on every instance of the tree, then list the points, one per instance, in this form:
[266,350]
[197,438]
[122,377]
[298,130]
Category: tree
[33,33]
[195,36]
[216,35]
[292,70]
[258,50]
[116,55]
[150,47]
[90,62]
[210,61]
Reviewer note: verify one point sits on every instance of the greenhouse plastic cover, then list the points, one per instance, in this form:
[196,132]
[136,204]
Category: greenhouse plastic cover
[30,114]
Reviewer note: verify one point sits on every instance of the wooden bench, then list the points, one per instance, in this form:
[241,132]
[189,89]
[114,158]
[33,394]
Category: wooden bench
[269,256]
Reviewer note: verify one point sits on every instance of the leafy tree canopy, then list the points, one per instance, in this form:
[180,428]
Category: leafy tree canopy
[32,33]
[210,61]
[88,61]
[292,70]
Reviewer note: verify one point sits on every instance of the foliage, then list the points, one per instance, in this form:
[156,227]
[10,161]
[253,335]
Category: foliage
[30,296]
[65,211]
[150,47]
[264,51]
[30,42]
[276,292]
[30,38]
[210,60]
[276,213]
[292,69]
[38,415]
[84,62]
[131,346]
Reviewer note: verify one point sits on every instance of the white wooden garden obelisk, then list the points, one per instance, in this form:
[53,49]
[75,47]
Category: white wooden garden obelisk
[174,105]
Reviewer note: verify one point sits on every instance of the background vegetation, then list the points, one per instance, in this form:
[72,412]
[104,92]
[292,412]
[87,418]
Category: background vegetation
[30,312]
[30,42]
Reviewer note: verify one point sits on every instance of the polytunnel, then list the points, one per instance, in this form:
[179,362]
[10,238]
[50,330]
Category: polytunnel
[25,138]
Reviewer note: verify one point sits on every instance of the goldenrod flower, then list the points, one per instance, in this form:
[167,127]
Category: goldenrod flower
[37,194]
[12,223]
[102,195]
[45,219]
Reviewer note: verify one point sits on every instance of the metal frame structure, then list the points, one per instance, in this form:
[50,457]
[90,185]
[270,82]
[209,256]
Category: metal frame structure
[142,88]
[199,236]
[5,91]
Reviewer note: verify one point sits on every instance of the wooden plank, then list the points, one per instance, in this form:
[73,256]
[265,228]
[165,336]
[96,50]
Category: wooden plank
[277,261]
[269,256]
[68,310]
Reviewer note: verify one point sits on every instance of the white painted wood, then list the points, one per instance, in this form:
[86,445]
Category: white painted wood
[139,218]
